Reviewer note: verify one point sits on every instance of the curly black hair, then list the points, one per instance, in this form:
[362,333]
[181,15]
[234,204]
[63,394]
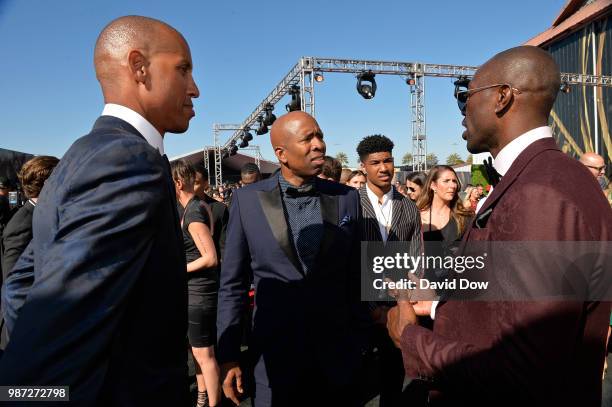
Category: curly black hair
[376,143]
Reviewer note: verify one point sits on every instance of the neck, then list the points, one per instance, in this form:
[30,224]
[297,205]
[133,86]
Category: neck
[131,104]
[185,197]
[379,191]
[514,130]
[294,179]
[438,204]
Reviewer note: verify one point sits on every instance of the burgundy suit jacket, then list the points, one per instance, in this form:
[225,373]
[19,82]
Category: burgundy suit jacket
[532,353]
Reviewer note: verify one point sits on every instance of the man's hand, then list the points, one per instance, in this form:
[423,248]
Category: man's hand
[422,308]
[232,381]
[398,318]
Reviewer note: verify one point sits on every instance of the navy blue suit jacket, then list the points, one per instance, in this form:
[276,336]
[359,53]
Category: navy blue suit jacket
[106,313]
[300,321]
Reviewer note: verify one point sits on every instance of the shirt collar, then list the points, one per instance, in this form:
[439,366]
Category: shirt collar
[284,184]
[374,198]
[513,149]
[144,127]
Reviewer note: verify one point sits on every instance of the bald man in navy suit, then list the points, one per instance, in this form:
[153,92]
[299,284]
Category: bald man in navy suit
[106,313]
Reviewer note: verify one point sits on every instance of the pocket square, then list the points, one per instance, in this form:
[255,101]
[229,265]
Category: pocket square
[345,220]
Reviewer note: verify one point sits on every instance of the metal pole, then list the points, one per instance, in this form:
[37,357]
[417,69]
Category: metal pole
[218,158]
[595,114]
[207,160]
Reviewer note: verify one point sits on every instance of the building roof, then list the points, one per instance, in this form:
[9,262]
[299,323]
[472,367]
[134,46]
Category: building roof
[573,15]
[234,162]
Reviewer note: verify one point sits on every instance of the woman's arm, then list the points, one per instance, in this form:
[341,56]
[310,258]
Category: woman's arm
[200,233]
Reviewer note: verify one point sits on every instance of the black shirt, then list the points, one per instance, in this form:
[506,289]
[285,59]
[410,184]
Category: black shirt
[194,212]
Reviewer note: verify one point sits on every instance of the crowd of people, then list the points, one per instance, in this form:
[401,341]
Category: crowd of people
[122,269]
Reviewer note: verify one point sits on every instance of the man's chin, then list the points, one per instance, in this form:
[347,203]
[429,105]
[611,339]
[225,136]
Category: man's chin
[179,128]
[476,149]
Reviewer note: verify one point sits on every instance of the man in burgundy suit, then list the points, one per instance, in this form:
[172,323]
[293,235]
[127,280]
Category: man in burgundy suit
[517,352]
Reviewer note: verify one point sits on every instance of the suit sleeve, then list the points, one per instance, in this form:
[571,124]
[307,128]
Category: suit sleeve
[87,270]
[233,287]
[17,234]
[533,333]
[223,233]
[16,287]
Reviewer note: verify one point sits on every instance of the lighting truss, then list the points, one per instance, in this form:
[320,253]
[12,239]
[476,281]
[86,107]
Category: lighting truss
[302,74]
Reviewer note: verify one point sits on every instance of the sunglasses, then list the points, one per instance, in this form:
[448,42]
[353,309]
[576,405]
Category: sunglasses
[599,169]
[462,93]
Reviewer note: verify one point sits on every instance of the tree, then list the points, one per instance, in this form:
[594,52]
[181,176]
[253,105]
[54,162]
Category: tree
[454,159]
[343,158]
[407,159]
[469,159]
[431,159]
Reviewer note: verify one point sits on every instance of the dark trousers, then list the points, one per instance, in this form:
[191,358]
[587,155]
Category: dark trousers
[304,395]
[390,369]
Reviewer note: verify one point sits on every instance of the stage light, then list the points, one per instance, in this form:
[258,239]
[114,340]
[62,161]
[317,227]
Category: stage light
[246,134]
[565,87]
[243,144]
[225,154]
[410,80]
[367,90]
[233,150]
[262,129]
[296,101]
[319,77]
[269,117]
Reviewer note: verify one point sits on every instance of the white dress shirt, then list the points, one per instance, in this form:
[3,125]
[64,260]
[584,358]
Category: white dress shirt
[383,211]
[503,162]
[512,150]
[141,124]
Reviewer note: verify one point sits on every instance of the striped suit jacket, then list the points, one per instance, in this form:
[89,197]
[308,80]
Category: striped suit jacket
[405,227]
[405,221]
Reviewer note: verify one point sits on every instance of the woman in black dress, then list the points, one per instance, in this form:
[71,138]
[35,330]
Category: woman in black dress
[202,283]
[444,219]
[443,216]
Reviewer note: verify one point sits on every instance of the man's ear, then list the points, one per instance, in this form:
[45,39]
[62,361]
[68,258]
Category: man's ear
[280,154]
[505,97]
[138,65]
[178,184]
[362,167]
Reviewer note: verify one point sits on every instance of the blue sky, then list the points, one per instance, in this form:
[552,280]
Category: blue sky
[241,49]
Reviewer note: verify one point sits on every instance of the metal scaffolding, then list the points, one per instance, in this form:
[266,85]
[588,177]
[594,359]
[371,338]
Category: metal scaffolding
[258,157]
[217,129]
[303,73]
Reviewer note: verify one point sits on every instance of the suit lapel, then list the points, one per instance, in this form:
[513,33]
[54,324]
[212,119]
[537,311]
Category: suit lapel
[329,213]
[517,167]
[272,206]
[370,222]
[515,170]
[396,215]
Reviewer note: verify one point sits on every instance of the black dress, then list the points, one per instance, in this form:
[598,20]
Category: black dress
[202,285]
[443,242]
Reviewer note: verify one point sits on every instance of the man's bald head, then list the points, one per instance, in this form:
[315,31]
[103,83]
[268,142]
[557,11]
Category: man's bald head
[530,70]
[145,65]
[125,34]
[298,144]
[511,94]
[594,163]
[287,125]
